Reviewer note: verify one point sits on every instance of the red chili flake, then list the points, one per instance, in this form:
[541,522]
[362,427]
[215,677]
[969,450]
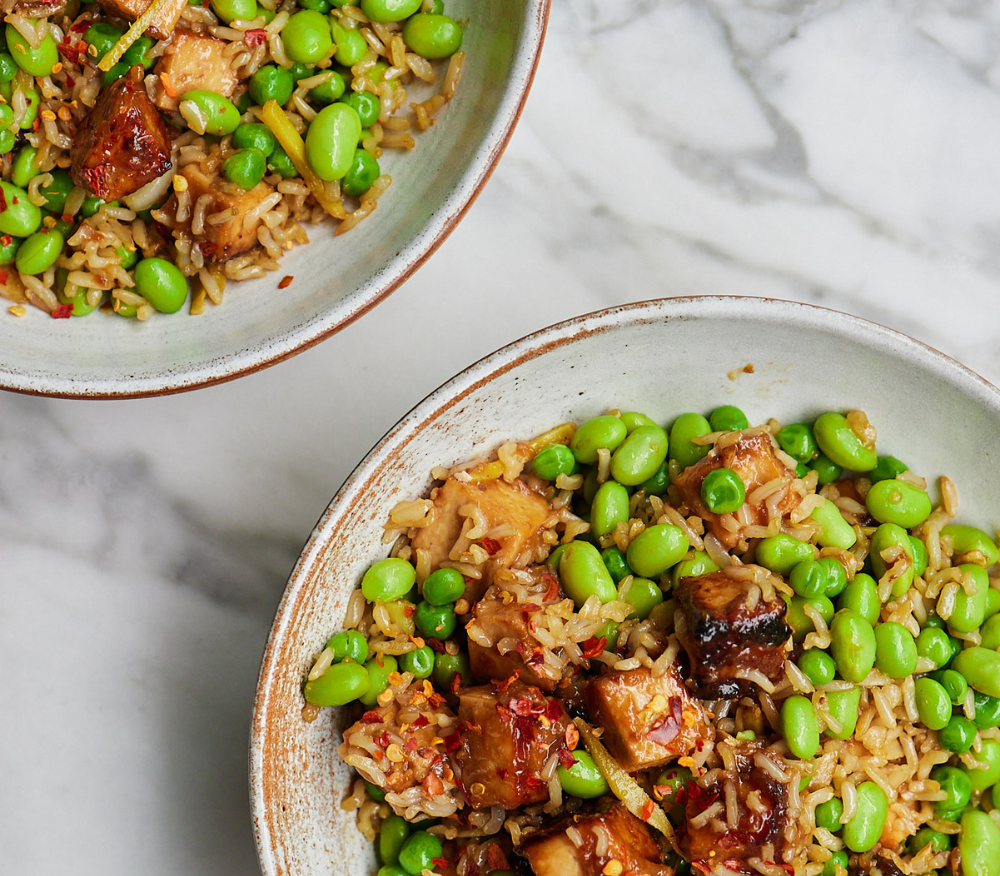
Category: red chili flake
[552,594]
[700,745]
[530,607]
[15,200]
[594,646]
[437,646]
[421,721]
[255,37]
[384,739]
[536,658]
[432,785]
[490,545]
[521,648]
[496,858]
[436,700]
[3,278]
[503,685]
[451,743]
[70,81]
[81,26]
[6,240]
[409,609]
[522,706]
[35,125]
[371,717]
[566,758]
[440,862]
[554,711]
[504,712]
[456,683]
[63,311]
[572,737]
[502,773]
[533,782]
[473,870]
[647,810]
[67,218]
[410,745]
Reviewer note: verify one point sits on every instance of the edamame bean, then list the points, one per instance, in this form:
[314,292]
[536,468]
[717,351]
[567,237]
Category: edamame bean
[843,706]
[781,553]
[39,251]
[634,419]
[966,539]
[852,645]
[658,483]
[927,836]
[35,61]
[992,602]
[817,666]
[102,36]
[885,540]
[892,501]
[25,166]
[800,727]
[808,579]
[378,677]
[389,10]
[728,418]
[601,432]
[643,595]
[271,82]
[987,710]
[342,683]
[861,596]
[969,609]
[836,576]
[957,735]
[955,784]
[138,53]
[684,430]
[989,754]
[697,563]
[418,852]
[447,666]
[864,829]
[348,644]
[616,564]
[839,442]
[351,44]
[656,549]
[796,439]
[433,36]
[954,683]
[215,114]
[887,468]
[828,814]
[306,37]
[827,471]
[834,531]
[990,632]
[933,644]
[375,792]
[584,574]
[723,491]
[230,10]
[21,218]
[920,557]
[979,844]
[161,283]
[392,833]
[70,293]
[639,456]
[609,508]
[583,779]
[388,580]
[435,621]
[419,662]
[895,650]
[443,587]
[933,703]
[801,623]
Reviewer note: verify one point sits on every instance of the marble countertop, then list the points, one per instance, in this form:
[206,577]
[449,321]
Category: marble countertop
[840,152]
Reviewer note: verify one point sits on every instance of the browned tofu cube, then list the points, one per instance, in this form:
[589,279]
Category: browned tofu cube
[192,61]
[647,720]
[754,457]
[621,836]
[515,510]
[732,634]
[38,8]
[707,837]
[507,734]
[163,23]
[122,145]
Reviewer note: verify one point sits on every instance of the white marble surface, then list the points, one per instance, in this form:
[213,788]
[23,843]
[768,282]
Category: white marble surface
[842,153]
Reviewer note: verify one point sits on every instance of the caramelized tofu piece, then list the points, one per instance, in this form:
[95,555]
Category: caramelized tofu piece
[754,457]
[402,747]
[570,849]
[122,145]
[192,61]
[163,23]
[730,632]
[507,735]
[38,8]
[647,721]
[516,512]
[708,838]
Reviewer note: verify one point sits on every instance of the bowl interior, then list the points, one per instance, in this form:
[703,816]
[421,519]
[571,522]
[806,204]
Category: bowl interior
[771,358]
[336,279]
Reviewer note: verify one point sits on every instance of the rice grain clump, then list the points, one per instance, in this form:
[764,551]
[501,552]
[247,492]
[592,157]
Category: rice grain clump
[719,648]
[147,159]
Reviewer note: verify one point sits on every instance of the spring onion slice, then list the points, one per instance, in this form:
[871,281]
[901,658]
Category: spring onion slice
[624,787]
[138,28]
[284,131]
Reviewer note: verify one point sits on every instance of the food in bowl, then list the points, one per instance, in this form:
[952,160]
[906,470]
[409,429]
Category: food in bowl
[618,648]
[151,152]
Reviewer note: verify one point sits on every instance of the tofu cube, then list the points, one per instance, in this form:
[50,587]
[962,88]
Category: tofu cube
[193,61]
[163,23]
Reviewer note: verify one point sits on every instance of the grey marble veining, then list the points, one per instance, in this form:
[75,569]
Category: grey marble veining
[839,153]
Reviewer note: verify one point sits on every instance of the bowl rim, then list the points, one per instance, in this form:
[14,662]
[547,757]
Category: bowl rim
[267,352]
[453,391]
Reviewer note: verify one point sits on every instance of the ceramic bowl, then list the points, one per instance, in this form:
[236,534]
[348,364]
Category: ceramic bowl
[336,279]
[771,358]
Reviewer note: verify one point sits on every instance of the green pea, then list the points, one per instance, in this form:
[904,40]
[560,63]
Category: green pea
[887,537]
[552,461]
[861,596]
[56,192]
[389,10]
[20,218]
[658,483]
[375,792]
[254,135]
[990,632]
[987,711]
[378,677]
[981,779]
[966,539]
[31,113]
[892,501]
[388,869]
[670,783]
[609,508]
[126,311]
[388,580]
[723,491]
[836,864]
[584,574]
[306,37]
[39,251]
[351,45]
[114,74]
[838,441]
[852,645]
[246,168]
[609,632]
[800,622]
[817,666]
[796,439]
[8,251]
[800,727]
[162,284]
[801,469]
[808,579]
[330,90]
[443,587]
[220,116]
[934,644]
[895,650]
[392,834]
[447,666]
[365,104]
[920,558]
[25,166]
[281,164]
[616,564]
[781,553]
[954,683]
[927,836]
[827,471]
[933,703]
[72,294]
[643,595]
[35,61]
[583,779]
[138,53]
[828,814]
[590,485]
[836,576]
[8,70]
[887,468]
[597,433]
[728,418]
[843,706]
[420,662]
[331,140]
[91,206]
[348,644]
[834,531]
[685,429]
[697,563]
[342,683]
[979,844]
[639,456]
[957,735]
[435,621]
[969,609]
[418,852]
[956,785]
[864,829]
[656,549]
[271,82]
[231,10]
[433,36]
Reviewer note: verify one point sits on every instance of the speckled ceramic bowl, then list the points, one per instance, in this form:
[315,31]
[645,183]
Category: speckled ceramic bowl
[771,358]
[336,280]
